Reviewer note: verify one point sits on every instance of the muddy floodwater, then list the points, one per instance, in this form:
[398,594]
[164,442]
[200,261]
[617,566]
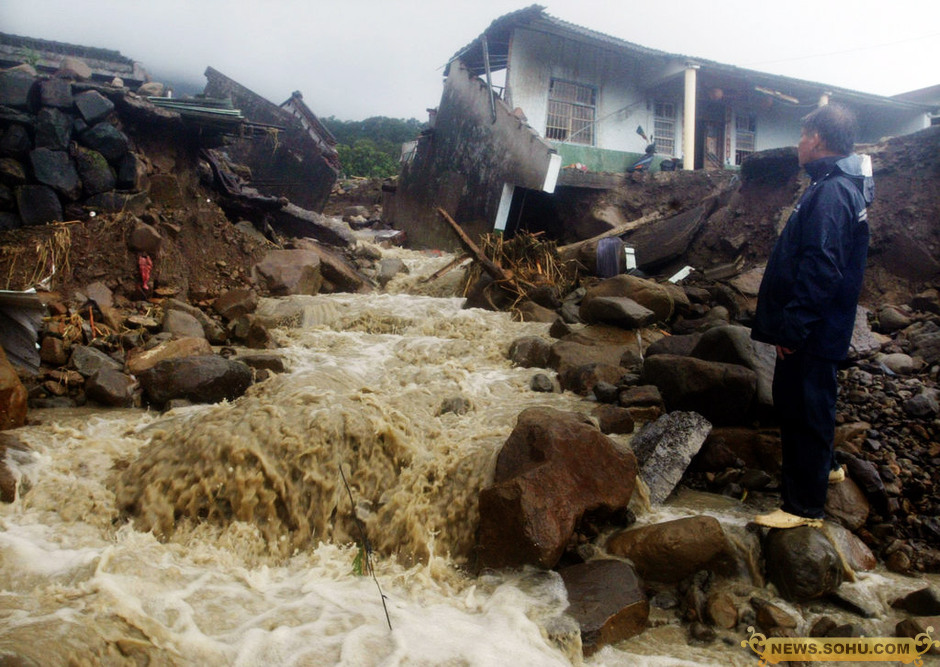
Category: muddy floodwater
[224,534]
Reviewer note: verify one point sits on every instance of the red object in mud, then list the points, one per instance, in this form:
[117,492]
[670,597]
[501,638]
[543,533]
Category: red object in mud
[146,265]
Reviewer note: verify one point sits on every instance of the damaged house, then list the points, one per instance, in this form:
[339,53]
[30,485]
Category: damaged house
[289,151]
[536,109]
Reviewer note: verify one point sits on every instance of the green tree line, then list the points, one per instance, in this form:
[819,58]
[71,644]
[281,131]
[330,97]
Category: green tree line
[372,147]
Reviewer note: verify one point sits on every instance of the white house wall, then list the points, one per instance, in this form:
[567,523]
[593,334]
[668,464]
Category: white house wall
[536,58]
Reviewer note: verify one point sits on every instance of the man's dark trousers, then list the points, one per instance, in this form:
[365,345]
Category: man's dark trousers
[804,391]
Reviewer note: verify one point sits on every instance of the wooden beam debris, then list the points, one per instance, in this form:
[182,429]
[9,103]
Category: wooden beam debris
[495,271]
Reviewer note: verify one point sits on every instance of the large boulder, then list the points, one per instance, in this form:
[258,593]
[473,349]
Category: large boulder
[94,171]
[182,324]
[607,600]
[647,293]
[111,387]
[16,143]
[17,89]
[680,345]
[530,352]
[53,129]
[739,447]
[12,396]
[664,449]
[732,344]
[855,553]
[339,272]
[553,469]
[38,204]
[73,68]
[802,563]
[93,106]
[203,379]
[235,303]
[88,361]
[56,169]
[565,355]
[620,311]
[672,550]
[285,272]
[107,140]
[56,92]
[847,504]
[723,393]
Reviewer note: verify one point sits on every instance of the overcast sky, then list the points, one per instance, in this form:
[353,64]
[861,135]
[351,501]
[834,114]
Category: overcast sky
[358,58]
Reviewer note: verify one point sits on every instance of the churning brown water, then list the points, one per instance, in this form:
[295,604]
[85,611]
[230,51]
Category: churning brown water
[224,535]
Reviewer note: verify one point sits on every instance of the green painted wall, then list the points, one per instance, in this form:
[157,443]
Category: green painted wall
[599,159]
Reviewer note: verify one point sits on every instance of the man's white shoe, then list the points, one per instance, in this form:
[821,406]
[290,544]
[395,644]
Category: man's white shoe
[781,519]
[837,475]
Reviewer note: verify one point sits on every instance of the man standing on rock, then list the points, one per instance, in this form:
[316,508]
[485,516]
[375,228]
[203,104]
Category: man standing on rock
[806,307]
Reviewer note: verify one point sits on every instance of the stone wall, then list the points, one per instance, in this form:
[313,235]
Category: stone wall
[62,150]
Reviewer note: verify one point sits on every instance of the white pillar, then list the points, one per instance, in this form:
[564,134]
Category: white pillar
[688,119]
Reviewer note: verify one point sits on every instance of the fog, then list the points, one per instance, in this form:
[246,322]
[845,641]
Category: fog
[359,58]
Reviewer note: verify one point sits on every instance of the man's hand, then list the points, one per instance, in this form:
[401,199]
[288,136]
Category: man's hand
[783,352]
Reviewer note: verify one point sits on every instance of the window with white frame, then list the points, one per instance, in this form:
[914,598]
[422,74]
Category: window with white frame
[571,111]
[664,127]
[745,133]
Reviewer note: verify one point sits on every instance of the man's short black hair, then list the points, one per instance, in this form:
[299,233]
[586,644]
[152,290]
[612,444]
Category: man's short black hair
[835,125]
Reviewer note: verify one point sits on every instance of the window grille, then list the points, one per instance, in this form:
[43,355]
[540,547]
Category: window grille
[745,128]
[664,127]
[571,110]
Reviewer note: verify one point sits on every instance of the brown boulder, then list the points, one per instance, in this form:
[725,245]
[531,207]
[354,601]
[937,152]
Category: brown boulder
[802,563]
[529,311]
[554,467]
[854,552]
[647,293]
[235,303]
[286,272]
[336,269]
[736,447]
[529,352]
[613,419]
[722,393]
[565,355]
[606,598]
[721,610]
[846,503]
[673,550]
[12,396]
[582,379]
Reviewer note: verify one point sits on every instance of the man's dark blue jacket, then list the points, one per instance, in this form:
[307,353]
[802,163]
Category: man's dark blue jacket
[809,293]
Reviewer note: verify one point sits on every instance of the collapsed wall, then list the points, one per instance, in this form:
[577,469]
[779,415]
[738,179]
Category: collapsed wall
[722,223]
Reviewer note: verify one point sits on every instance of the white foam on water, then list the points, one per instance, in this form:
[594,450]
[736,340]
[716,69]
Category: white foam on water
[365,391]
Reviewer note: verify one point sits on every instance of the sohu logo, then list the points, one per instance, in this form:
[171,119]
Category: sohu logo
[832,649]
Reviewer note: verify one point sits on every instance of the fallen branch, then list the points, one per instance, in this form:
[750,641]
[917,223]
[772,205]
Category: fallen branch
[447,269]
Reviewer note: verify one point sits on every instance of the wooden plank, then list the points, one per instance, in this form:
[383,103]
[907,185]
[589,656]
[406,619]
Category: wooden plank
[495,271]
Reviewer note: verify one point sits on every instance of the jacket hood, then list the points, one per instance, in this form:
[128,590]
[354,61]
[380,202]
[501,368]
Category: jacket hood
[858,169]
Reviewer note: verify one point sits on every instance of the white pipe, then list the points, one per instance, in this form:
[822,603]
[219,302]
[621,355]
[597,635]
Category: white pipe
[688,119]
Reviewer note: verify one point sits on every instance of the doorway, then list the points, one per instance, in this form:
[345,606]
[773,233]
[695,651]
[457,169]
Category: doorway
[709,144]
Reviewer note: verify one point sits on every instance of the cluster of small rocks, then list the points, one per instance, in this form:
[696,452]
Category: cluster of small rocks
[62,151]
[891,401]
[158,352]
[700,399]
